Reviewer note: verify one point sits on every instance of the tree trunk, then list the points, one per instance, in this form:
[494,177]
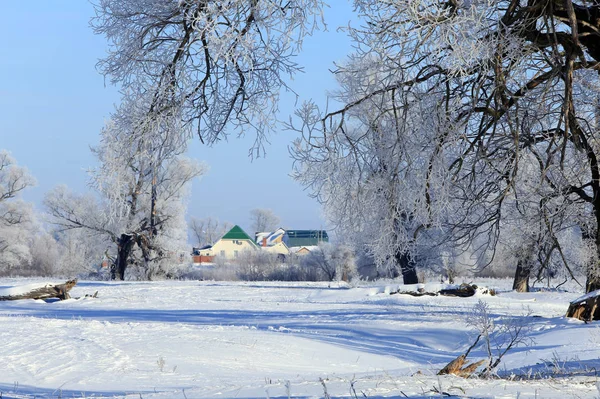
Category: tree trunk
[521,282]
[450,272]
[407,266]
[524,266]
[592,282]
[124,247]
[593,272]
[143,243]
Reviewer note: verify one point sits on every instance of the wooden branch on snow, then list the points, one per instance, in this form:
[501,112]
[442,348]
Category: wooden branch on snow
[457,366]
[60,291]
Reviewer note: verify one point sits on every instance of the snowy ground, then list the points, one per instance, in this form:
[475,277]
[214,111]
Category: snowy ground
[278,340]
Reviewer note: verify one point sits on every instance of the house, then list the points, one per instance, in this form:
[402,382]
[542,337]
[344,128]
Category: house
[304,238]
[291,238]
[233,243]
[280,249]
[267,239]
[303,250]
[278,242]
[272,242]
[284,242]
[203,254]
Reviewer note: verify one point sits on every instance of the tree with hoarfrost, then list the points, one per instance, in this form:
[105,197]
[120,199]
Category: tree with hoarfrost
[369,176]
[206,67]
[220,66]
[491,108]
[334,262]
[17,226]
[208,230]
[67,253]
[142,182]
[13,180]
[263,220]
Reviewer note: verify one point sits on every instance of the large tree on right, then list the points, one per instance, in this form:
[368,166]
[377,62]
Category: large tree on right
[493,104]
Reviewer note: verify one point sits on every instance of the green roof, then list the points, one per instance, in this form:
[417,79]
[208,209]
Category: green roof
[236,233]
[300,238]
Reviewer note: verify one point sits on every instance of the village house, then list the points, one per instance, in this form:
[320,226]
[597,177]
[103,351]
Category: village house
[280,242]
[233,243]
[299,242]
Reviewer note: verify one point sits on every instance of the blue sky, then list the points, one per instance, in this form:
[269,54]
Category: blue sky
[53,104]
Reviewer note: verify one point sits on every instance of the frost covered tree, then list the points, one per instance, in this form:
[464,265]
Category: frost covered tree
[498,95]
[13,180]
[263,220]
[334,262]
[17,226]
[206,67]
[219,66]
[142,182]
[66,253]
[208,230]
[45,255]
[369,173]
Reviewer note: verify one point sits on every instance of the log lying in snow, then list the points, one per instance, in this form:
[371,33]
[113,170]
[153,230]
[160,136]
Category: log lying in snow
[458,367]
[586,308]
[38,291]
[415,293]
[464,290]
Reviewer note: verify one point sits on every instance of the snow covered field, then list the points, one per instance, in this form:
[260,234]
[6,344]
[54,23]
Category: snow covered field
[278,340]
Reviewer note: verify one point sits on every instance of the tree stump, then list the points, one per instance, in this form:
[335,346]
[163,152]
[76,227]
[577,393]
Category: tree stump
[40,291]
[585,308]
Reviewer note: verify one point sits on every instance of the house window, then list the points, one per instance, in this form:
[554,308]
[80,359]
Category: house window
[223,253]
[235,254]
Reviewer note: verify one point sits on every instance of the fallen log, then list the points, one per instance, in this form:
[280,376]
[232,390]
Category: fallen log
[463,291]
[585,308]
[38,291]
[420,292]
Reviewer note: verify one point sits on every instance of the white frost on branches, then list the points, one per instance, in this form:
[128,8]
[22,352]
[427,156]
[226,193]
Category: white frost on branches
[17,222]
[220,65]
[461,122]
[142,184]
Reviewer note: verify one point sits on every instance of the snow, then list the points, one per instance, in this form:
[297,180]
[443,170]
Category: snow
[587,296]
[178,339]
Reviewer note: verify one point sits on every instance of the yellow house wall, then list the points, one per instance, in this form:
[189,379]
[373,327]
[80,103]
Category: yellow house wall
[279,248]
[302,251]
[279,240]
[227,248]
